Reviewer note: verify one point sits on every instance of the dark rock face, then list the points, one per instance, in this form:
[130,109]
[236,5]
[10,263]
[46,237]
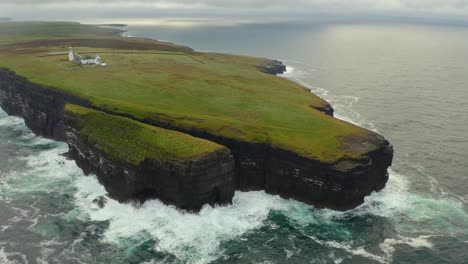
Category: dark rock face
[41,107]
[339,186]
[273,67]
[188,184]
[327,109]
[212,178]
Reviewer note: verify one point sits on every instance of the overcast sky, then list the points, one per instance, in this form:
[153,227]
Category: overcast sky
[155,11]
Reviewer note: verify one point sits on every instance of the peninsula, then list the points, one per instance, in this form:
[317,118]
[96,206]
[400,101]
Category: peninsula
[189,128]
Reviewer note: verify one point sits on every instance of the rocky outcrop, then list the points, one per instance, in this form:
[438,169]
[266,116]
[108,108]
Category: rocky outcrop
[273,67]
[326,108]
[341,185]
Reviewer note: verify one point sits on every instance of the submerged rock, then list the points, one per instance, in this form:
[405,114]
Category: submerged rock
[100,201]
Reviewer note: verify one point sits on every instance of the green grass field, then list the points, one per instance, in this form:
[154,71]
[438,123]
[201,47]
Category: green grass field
[152,142]
[225,95]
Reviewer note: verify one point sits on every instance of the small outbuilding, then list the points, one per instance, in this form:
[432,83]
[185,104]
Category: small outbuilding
[91,60]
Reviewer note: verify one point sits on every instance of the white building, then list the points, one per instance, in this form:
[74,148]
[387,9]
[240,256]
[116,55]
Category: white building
[91,60]
[88,60]
[71,54]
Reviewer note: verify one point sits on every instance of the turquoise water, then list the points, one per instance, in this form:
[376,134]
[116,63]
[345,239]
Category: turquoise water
[408,83]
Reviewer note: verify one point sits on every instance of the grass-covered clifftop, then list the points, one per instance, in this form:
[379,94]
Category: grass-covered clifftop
[132,142]
[224,95]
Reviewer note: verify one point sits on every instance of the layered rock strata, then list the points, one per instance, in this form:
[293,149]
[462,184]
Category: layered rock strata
[187,184]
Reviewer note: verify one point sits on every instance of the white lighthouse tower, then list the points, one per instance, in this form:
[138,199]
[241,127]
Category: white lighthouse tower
[71,54]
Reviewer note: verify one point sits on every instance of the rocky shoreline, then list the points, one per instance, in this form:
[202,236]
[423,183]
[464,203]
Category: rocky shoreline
[244,166]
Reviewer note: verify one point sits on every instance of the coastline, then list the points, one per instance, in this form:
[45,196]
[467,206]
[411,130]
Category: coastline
[52,212]
[341,185]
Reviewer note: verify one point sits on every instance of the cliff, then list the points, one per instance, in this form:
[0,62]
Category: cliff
[211,178]
[340,185]
[187,180]
[171,166]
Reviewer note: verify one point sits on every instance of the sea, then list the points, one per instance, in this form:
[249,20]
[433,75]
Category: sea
[406,82]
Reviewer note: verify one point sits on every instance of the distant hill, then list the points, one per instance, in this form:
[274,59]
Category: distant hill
[111,25]
[3,19]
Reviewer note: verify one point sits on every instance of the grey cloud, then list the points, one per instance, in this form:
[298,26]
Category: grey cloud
[427,4]
[248,10]
[457,4]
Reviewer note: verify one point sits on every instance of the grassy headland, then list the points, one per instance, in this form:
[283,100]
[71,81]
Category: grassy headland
[133,142]
[225,95]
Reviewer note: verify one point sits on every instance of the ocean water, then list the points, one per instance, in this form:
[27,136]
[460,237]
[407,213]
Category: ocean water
[408,83]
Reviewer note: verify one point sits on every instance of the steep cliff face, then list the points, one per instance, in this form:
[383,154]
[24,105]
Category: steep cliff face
[342,185]
[41,107]
[188,184]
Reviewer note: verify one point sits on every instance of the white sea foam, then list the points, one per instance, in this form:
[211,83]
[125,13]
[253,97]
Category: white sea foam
[387,247]
[289,253]
[289,71]
[391,200]
[47,171]
[48,249]
[12,258]
[464,199]
[11,121]
[196,238]
[4,257]
[192,238]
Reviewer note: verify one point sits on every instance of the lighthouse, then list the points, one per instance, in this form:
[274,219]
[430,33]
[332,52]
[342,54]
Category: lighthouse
[71,54]
[86,60]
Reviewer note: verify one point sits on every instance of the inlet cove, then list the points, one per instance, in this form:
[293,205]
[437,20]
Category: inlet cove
[155,120]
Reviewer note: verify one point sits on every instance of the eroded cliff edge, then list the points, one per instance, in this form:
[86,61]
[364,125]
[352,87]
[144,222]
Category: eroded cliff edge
[256,166]
[188,183]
